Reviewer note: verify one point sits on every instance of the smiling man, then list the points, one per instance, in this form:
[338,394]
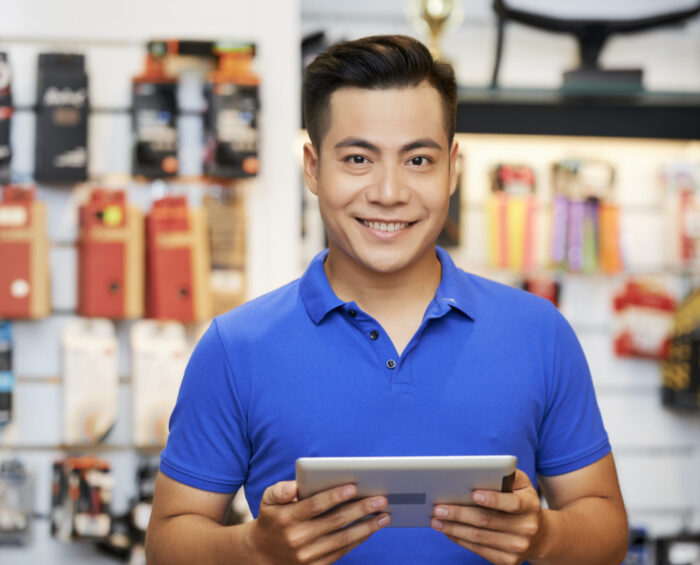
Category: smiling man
[384,347]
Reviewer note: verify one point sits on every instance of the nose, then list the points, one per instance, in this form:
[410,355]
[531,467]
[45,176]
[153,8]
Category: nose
[388,189]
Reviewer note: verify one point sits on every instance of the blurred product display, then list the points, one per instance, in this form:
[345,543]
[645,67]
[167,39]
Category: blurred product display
[81,499]
[16,503]
[154,120]
[159,353]
[110,256]
[231,121]
[7,377]
[5,117]
[681,372]
[511,214]
[226,222]
[644,317]
[24,254]
[545,286]
[177,262]
[90,380]
[682,186]
[61,118]
[585,223]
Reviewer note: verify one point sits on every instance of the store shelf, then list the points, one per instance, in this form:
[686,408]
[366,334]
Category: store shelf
[657,115]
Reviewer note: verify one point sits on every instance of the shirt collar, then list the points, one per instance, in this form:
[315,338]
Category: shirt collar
[319,299]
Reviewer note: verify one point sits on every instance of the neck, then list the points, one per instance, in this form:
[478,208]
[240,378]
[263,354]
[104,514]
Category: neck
[409,289]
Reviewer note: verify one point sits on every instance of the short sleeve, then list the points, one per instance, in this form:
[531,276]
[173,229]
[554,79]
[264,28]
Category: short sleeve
[208,447]
[571,434]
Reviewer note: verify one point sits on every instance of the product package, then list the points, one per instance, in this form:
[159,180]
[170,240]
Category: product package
[231,124]
[110,257]
[682,190]
[177,262]
[585,218]
[544,286]
[5,115]
[61,153]
[644,315]
[154,121]
[227,243]
[81,498]
[681,372]
[16,503]
[90,380]
[7,378]
[159,354]
[24,255]
[512,210]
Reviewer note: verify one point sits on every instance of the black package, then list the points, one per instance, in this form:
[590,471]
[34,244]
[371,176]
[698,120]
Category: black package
[5,114]
[154,122]
[232,116]
[61,120]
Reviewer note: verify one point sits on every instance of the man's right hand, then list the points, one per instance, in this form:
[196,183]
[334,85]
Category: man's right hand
[319,530]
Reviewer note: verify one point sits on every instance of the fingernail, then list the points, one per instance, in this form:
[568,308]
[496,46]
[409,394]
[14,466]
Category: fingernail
[442,512]
[480,498]
[377,503]
[287,490]
[349,491]
[437,524]
[383,521]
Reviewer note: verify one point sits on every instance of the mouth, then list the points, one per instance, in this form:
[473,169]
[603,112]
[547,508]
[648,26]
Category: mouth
[383,226]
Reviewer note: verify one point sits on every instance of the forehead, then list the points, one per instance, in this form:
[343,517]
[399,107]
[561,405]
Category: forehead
[388,116]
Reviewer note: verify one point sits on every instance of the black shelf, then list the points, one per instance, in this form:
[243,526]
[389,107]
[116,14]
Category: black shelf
[655,115]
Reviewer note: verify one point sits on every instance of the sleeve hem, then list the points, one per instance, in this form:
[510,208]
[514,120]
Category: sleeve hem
[191,480]
[573,464]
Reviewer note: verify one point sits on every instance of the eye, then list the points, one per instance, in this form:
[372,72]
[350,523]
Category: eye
[420,160]
[356,159]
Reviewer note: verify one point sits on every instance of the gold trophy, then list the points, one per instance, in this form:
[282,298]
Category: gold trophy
[434,17]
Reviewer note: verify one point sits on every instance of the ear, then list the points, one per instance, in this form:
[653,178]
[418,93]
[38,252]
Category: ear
[454,153]
[311,167]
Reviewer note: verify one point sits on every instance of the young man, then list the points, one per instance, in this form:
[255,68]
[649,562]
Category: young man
[384,347]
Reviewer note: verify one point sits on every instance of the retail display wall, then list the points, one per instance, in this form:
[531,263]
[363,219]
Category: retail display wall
[113,39]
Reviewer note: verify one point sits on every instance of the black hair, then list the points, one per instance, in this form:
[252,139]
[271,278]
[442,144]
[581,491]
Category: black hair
[376,62]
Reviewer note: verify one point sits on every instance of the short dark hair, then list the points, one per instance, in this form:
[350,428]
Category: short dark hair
[375,62]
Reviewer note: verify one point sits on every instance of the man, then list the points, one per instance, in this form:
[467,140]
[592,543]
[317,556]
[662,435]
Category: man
[384,347]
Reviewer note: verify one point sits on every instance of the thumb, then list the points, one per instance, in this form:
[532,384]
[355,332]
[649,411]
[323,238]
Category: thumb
[283,492]
[521,480]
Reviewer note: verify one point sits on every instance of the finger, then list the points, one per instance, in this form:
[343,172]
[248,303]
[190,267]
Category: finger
[490,554]
[323,502]
[501,541]
[343,540]
[517,502]
[333,557]
[347,514]
[283,492]
[488,519]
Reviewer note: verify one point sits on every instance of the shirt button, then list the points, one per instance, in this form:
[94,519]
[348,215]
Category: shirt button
[374,334]
[391,363]
[352,313]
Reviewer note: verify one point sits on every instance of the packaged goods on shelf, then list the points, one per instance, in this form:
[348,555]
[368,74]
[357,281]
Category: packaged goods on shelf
[110,256]
[24,255]
[5,116]
[231,124]
[154,121]
[177,262]
[16,502]
[90,380]
[61,153]
[81,499]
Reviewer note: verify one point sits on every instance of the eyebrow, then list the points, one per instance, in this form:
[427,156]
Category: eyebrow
[363,143]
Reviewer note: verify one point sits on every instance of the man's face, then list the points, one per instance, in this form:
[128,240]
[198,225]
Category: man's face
[384,176]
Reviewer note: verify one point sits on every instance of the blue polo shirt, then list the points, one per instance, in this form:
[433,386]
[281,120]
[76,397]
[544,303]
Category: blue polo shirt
[300,373]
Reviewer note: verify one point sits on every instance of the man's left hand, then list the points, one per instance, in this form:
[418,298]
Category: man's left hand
[504,528]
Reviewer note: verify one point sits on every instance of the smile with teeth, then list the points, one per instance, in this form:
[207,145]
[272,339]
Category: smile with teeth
[384,226]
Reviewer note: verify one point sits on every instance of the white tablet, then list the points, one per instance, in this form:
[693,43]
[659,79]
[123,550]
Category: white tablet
[412,485]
